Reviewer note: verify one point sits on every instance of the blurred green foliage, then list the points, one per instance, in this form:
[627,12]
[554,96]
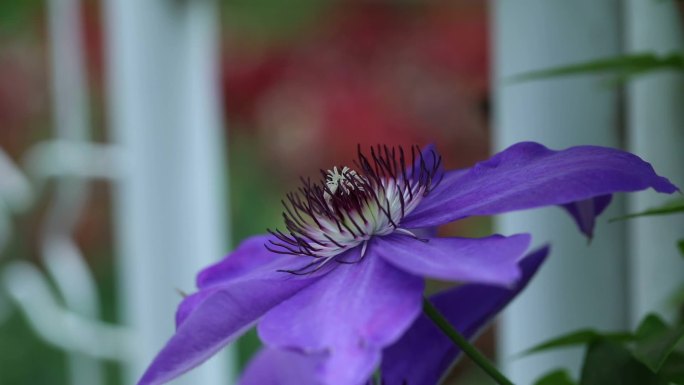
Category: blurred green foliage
[270,20]
[653,354]
[254,193]
[609,362]
[649,355]
[556,377]
[621,67]
[672,207]
[14,15]
[579,337]
[24,359]
[655,341]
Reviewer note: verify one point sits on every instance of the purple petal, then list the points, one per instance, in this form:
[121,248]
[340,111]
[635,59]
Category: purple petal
[585,212]
[429,155]
[528,175]
[281,367]
[418,166]
[218,319]
[251,256]
[492,260]
[424,354]
[250,260]
[430,159]
[236,293]
[351,314]
[190,303]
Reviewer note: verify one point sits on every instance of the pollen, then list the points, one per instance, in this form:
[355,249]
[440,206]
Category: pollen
[346,208]
[344,181]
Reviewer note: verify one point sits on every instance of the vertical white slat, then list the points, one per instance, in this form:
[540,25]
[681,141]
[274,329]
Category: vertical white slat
[170,205]
[16,195]
[655,120]
[62,256]
[581,284]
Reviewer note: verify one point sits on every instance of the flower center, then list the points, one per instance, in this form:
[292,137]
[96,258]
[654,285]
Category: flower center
[346,208]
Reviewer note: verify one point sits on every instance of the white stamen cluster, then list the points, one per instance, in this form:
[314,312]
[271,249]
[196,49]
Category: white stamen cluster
[349,207]
[341,180]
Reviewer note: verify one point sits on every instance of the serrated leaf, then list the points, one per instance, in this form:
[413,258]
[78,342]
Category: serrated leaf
[609,362]
[655,341]
[671,207]
[556,377]
[579,337]
[623,66]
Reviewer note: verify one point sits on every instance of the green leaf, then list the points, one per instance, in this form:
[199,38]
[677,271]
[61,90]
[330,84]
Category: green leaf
[671,207]
[673,369]
[556,377]
[623,66]
[608,362]
[656,341]
[680,245]
[676,300]
[651,325]
[580,337]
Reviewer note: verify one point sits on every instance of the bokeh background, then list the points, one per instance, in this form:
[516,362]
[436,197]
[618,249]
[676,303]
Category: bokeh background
[302,84]
[294,87]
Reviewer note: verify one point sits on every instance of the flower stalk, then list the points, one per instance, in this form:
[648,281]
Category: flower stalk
[460,341]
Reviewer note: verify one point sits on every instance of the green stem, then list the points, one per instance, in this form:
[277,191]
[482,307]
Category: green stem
[460,341]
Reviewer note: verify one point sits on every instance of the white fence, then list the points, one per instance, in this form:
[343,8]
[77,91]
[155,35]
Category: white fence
[166,166]
[630,268]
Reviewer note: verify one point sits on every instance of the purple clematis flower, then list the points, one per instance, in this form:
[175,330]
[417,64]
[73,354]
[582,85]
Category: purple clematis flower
[345,280]
[423,354]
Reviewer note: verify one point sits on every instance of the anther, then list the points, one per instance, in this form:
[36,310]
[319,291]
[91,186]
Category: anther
[348,207]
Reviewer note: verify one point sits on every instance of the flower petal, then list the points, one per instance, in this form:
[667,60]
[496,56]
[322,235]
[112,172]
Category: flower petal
[424,353]
[528,175]
[250,258]
[429,160]
[351,314]
[234,294]
[585,212]
[190,303]
[492,260]
[281,367]
[218,319]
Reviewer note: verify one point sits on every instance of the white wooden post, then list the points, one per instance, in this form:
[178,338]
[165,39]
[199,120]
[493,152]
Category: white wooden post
[170,204]
[582,284]
[655,121]
[62,256]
